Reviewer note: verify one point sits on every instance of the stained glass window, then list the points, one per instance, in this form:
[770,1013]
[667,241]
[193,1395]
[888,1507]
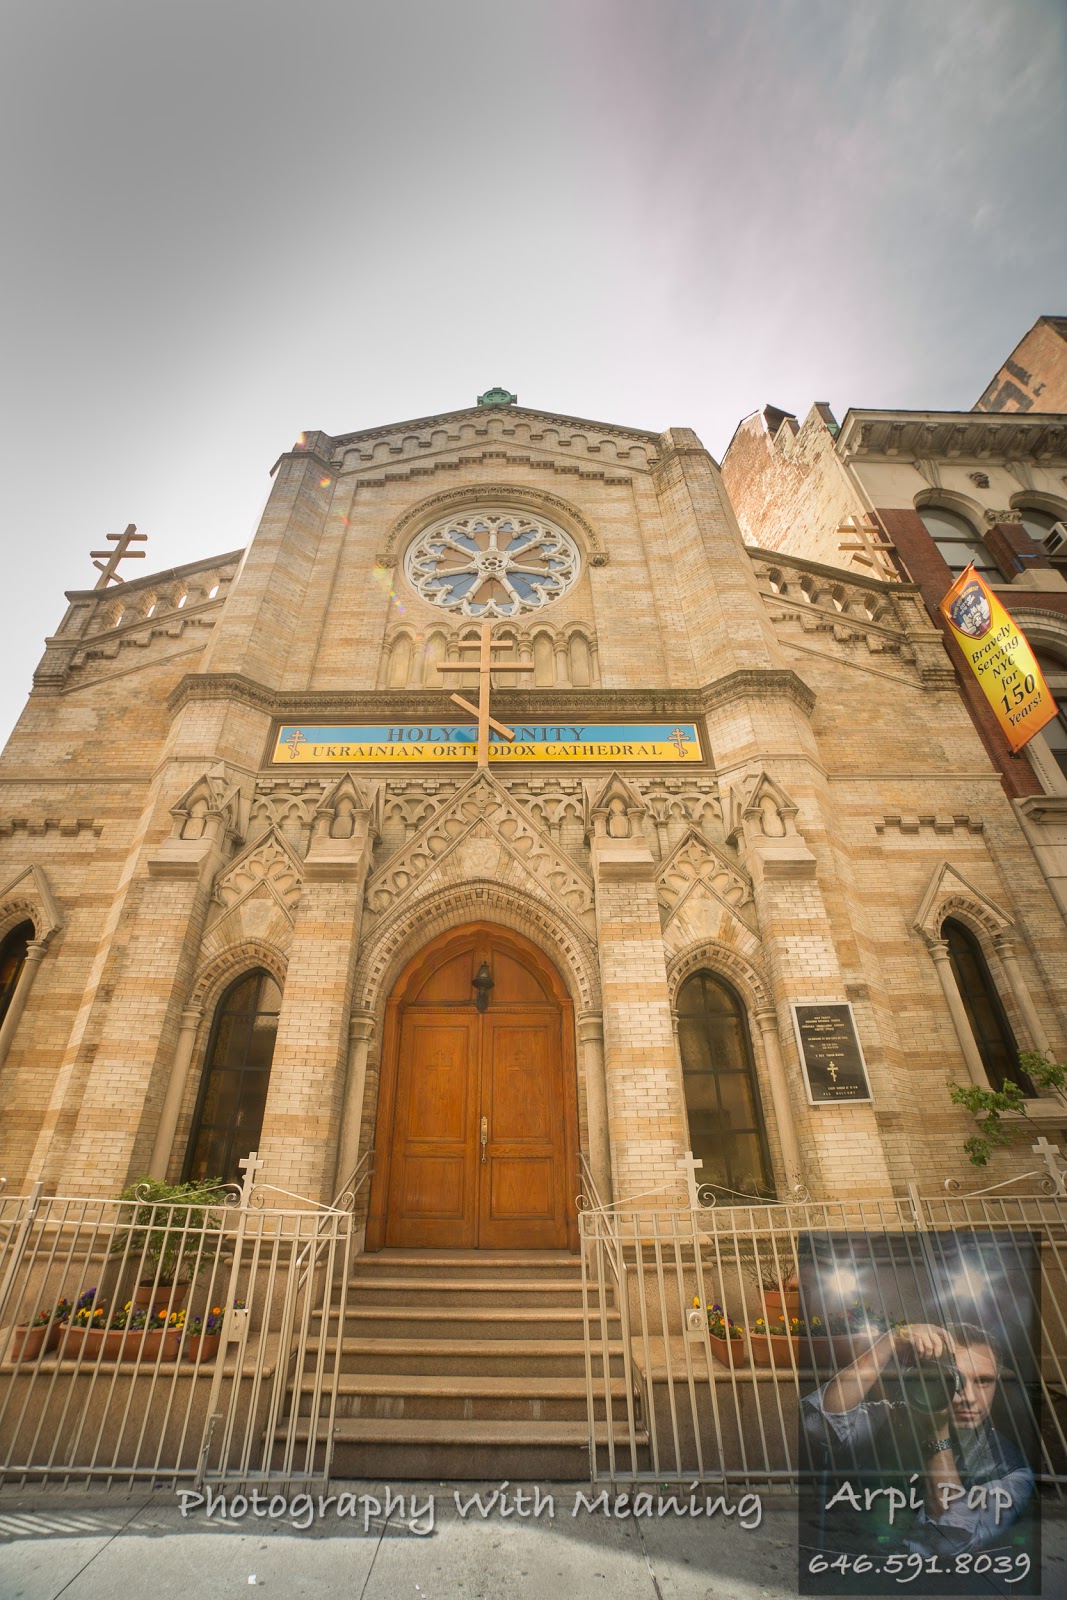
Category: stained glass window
[493,565]
[233,1090]
[12,961]
[721,1095]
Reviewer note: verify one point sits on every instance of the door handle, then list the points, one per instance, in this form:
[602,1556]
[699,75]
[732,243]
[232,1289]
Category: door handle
[485,1137]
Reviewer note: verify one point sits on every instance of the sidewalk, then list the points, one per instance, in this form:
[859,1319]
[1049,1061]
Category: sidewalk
[95,1545]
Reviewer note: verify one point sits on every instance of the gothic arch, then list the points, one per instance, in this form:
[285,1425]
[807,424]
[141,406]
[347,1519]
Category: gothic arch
[28,898]
[215,976]
[415,921]
[749,980]
[950,894]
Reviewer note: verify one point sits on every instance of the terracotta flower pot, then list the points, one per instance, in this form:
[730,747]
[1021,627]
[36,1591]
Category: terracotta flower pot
[27,1343]
[171,1295]
[122,1344]
[202,1346]
[783,1303]
[731,1352]
[774,1349]
[847,1347]
[817,1352]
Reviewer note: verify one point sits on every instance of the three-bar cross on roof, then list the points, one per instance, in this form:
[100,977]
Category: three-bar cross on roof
[485,644]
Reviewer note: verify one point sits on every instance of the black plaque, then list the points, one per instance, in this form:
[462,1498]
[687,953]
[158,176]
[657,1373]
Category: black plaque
[830,1053]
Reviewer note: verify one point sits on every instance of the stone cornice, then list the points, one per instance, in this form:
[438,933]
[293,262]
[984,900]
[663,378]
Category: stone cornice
[956,435]
[480,414]
[521,705]
[751,682]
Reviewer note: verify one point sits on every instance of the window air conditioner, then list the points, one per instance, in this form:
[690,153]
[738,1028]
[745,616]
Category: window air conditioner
[1055,538]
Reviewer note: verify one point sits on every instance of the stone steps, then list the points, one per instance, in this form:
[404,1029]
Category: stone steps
[451,1323]
[461,1397]
[462,1364]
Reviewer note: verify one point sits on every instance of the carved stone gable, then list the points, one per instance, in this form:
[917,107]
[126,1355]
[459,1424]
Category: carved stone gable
[949,893]
[268,868]
[696,867]
[479,820]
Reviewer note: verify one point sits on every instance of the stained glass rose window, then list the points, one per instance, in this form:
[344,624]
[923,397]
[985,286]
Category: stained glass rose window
[492,565]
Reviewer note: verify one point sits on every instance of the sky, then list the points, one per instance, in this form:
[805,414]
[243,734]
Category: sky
[229,221]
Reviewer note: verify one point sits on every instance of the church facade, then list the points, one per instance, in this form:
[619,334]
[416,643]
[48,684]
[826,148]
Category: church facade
[744,881]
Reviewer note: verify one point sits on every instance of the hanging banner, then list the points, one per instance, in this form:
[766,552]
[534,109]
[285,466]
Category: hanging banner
[999,656]
[409,742]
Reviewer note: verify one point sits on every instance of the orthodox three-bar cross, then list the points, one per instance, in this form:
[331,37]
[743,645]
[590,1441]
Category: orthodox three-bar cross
[109,563]
[485,644]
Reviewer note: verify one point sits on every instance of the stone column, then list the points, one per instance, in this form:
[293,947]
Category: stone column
[163,1146]
[591,1039]
[118,1116]
[1005,947]
[767,1022]
[34,955]
[957,1010]
[646,1120]
[307,1081]
[360,1034]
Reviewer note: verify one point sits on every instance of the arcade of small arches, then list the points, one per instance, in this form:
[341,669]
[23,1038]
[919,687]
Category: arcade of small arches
[559,657]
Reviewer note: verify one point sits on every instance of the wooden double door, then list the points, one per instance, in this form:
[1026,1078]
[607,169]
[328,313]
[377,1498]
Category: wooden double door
[477,1122]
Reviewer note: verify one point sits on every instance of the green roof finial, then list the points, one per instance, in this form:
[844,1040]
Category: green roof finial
[497,397]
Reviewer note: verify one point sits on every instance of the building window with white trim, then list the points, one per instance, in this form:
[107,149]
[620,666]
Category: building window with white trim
[958,542]
[1054,672]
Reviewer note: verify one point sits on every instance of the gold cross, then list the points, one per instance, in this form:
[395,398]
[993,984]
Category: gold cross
[874,549]
[109,565]
[485,644]
[679,738]
[833,1069]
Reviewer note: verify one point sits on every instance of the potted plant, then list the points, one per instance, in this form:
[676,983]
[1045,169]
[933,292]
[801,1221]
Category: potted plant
[135,1334]
[777,1343]
[726,1338]
[85,1328]
[173,1235]
[43,1333]
[853,1330]
[767,1259]
[204,1334]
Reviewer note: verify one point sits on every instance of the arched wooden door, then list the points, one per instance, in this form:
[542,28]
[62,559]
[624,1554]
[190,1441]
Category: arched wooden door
[476,1142]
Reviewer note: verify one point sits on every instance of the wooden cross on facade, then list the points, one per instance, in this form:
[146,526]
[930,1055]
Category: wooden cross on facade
[485,644]
[109,562]
[872,550]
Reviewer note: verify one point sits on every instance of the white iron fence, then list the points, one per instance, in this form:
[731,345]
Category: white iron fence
[229,1375]
[807,1287]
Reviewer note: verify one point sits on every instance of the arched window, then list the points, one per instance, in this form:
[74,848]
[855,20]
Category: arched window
[958,542]
[233,1090]
[989,1024]
[12,961]
[721,1095]
[1055,675]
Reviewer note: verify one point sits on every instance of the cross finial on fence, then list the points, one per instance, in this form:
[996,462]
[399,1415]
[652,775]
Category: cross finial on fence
[689,1164]
[249,1165]
[1050,1155]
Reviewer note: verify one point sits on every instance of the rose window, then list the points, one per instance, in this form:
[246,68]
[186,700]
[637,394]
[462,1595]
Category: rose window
[492,566]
